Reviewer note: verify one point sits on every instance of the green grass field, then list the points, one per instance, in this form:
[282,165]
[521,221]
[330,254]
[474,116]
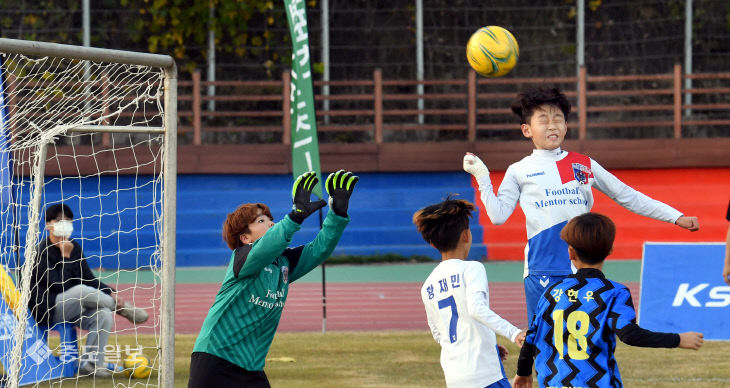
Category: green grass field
[411,359]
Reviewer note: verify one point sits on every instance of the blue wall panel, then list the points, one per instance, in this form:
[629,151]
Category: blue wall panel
[381,211]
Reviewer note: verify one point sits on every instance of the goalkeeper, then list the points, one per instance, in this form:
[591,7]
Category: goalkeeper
[237,333]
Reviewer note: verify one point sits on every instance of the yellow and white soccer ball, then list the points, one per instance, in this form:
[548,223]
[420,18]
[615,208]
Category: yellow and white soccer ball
[492,51]
[137,365]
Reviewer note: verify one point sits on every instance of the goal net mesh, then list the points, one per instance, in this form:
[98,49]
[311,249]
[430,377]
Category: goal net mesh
[57,147]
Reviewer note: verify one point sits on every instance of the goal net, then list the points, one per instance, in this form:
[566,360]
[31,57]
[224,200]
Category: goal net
[94,131]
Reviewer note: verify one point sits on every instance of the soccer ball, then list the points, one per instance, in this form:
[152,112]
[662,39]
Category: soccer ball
[137,365]
[492,51]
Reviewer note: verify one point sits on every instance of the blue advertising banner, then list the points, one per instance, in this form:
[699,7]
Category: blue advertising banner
[38,362]
[682,289]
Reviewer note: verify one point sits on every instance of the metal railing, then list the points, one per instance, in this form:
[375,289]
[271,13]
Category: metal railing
[469,108]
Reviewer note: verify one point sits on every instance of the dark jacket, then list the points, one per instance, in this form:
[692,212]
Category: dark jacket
[54,274]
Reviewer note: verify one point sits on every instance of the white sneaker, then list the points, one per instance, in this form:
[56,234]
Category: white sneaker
[133,314]
[90,369]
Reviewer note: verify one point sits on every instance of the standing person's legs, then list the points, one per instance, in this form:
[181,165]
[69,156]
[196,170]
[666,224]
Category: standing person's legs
[535,286]
[90,309]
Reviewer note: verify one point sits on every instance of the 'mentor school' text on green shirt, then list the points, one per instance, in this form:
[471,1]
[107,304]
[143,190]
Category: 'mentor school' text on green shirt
[241,324]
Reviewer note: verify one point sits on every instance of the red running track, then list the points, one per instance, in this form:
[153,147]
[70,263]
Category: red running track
[350,306]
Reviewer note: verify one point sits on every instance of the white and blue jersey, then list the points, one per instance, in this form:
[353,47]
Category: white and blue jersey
[456,298]
[553,186]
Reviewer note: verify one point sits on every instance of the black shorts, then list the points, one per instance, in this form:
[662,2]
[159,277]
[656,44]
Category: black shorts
[207,370]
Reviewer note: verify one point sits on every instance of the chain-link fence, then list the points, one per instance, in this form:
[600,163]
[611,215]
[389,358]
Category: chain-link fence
[621,37]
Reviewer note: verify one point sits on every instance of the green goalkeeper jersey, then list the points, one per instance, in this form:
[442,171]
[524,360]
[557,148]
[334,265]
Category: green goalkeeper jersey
[241,324]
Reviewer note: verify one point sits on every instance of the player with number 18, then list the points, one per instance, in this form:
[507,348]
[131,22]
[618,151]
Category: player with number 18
[573,334]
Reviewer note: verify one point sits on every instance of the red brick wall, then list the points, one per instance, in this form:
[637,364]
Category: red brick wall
[701,192]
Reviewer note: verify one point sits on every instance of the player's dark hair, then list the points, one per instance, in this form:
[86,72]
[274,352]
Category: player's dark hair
[58,210]
[441,224]
[591,235]
[527,102]
[236,223]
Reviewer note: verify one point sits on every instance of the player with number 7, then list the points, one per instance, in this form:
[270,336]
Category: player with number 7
[456,298]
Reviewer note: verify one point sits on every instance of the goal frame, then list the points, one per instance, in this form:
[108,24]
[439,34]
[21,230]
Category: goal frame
[169,129]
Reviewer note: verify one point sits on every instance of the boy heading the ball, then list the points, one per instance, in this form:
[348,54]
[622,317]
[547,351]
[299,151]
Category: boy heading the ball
[553,186]
[573,335]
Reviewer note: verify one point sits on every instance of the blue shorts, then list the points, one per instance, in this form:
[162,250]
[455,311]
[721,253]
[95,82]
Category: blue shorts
[535,286]
[504,383]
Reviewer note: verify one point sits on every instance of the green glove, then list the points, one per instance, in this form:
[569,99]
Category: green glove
[301,193]
[339,187]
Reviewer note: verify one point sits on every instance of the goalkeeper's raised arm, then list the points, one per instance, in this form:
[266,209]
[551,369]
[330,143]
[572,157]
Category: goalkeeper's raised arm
[240,326]
[339,186]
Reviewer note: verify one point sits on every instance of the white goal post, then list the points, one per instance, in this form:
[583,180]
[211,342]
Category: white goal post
[96,130]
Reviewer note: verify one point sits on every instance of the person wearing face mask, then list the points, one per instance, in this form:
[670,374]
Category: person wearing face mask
[66,290]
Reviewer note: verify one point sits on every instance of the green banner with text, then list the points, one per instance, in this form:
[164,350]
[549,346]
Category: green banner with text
[304,144]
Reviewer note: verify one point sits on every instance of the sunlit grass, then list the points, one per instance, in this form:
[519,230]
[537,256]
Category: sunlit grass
[411,359]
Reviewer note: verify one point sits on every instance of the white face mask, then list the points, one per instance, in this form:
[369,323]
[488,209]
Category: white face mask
[63,228]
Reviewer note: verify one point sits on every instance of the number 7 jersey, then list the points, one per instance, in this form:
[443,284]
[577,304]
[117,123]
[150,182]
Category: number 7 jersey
[574,331]
[456,299]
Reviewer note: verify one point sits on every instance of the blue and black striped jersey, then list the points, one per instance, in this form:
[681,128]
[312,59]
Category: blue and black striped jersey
[573,334]
[573,331]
